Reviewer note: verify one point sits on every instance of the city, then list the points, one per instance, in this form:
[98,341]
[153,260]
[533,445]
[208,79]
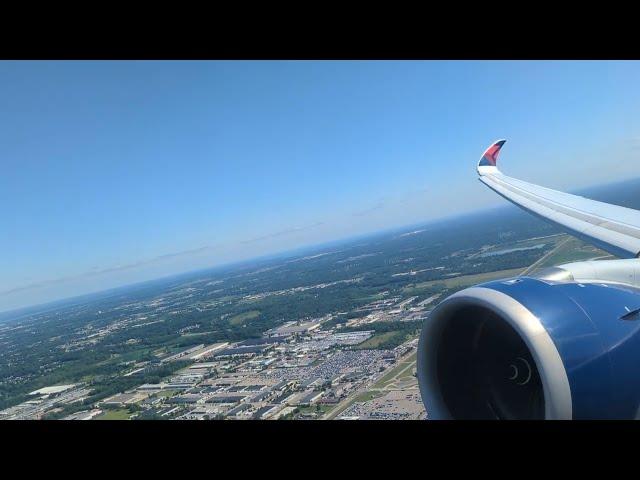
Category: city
[244,343]
[299,370]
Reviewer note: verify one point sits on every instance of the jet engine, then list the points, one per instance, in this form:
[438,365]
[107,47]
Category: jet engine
[552,347]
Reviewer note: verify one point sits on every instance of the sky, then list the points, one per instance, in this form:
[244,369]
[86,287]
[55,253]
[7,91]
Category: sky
[118,172]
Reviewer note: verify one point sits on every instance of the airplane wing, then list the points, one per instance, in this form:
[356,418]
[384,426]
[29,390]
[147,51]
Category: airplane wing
[612,228]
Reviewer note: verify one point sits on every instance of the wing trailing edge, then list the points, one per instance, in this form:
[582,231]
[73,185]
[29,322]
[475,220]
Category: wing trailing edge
[612,228]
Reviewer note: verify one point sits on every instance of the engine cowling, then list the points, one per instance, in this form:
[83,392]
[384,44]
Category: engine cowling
[526,348]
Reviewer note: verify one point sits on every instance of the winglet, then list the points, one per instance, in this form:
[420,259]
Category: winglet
[488,161]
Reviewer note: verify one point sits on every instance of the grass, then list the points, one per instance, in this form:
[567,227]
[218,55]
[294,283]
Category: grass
[407,374]
[226,298]
[243,317]
[164,393]
[502,249]
[391,375]
[335,411]
[366,396]
[374,297]
[118,414]
[379,339]
[463,280]
[573,250]
[313,409]
[555,239]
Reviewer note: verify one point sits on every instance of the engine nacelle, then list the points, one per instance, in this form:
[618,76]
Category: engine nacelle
[526,348]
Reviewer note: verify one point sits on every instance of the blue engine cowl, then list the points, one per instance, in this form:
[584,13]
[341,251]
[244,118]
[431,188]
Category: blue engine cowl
[530,349]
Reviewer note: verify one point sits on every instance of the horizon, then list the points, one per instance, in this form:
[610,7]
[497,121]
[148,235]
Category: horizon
[120,173]
[253,262]
[279,255]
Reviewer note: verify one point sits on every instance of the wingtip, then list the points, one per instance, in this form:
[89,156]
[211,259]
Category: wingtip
[489,159]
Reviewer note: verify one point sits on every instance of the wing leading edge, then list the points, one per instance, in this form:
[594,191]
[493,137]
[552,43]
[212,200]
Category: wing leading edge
[612,228]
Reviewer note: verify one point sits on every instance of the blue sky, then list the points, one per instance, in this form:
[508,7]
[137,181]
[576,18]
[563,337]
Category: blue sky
[117,172]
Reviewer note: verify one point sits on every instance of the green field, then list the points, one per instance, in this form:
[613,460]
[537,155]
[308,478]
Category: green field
[227,298]
[243,317]
[366,396]
[379,339]
[333,412]
[164,393]
[393,373]
[314,409]
[374,297]
[463,280]
[119,414]
[554,239]
[199,334]
[573,250]
[407,374]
